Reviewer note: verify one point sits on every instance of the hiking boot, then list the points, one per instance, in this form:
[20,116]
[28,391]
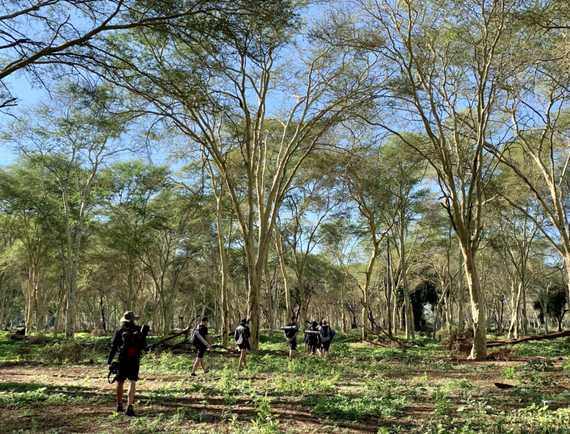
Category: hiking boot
[130,411]
[193,374]
[120,408]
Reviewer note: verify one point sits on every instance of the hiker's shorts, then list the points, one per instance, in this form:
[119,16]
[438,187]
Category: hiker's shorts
[201,350]
[128,370]
[244,345]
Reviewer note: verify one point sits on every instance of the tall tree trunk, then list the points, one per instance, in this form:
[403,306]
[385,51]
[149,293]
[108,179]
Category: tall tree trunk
[283,269]
[524,318]
[567,266]
[409,325]
[102,311]
[515,305]
[389,291]
[448,310]
[408,315]
[223,271]
[366,291]
[479,349]
[253,291]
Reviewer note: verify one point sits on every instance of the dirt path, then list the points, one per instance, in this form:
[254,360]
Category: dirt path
[193,412]
[35,398]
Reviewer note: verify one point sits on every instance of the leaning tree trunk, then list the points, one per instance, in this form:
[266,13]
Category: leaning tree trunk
[479,349]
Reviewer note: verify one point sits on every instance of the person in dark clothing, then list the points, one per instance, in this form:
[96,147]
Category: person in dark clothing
[312,337]
[291,331]
[242,335]
[201,343]
[326,335]
[129,342]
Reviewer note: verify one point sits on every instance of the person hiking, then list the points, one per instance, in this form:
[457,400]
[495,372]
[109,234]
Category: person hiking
[326,335]
[291,330]
[312,337]
[129,342]
[201,343]
[242,335]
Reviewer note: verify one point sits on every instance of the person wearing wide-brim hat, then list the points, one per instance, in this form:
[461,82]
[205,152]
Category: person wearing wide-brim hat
[129,317]
[242,335]
[128,341]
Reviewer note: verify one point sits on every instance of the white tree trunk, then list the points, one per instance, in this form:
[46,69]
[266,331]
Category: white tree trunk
[477,302]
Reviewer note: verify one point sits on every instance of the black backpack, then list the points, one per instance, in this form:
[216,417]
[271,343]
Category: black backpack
[133,343]
[291,332]
[324,333]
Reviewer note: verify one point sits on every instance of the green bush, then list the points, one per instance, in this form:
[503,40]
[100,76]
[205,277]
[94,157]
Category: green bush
[63,352]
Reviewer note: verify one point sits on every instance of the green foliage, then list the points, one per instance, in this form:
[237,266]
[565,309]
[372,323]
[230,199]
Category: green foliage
[510,372]
[316,385]
[356,407]
[365,384]
[265,422]
[537,365]
[442,402]
[167,362]
[550,348]
[32,397]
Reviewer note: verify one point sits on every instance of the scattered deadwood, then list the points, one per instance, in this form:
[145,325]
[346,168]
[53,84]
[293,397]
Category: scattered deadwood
[459,342]
[383,339]
[549,336]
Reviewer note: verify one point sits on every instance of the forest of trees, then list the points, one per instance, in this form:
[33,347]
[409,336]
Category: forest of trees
[395,166]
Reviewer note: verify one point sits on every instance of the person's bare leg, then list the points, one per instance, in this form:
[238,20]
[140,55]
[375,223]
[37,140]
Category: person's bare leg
[131,398]
[204,368]
[120,386]
[241,364]
[132,390]
[195,365]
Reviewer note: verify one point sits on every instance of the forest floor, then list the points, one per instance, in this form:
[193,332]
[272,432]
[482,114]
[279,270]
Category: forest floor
[52,385]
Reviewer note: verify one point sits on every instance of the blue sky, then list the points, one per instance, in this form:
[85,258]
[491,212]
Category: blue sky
[28,96]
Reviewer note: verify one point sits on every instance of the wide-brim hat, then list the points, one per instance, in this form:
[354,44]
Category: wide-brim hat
[129,316]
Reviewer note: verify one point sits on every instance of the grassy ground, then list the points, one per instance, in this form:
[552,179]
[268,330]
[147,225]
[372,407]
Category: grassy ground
[57,386]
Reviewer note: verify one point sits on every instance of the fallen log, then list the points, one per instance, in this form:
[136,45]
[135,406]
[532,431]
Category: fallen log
[169,338]
[549,336]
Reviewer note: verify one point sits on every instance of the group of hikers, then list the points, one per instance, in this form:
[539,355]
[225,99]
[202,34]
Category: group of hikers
[129,342]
